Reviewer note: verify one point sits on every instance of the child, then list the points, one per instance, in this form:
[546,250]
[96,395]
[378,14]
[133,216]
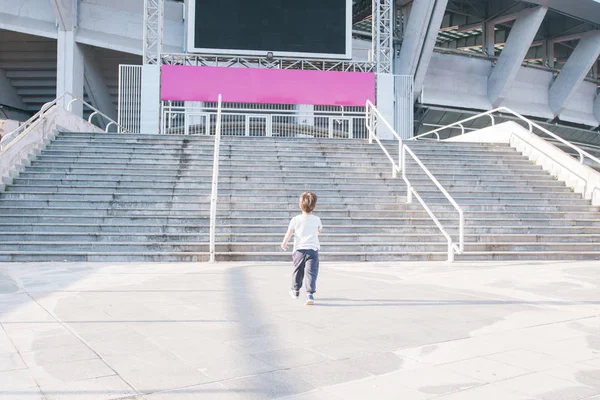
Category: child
[306,228]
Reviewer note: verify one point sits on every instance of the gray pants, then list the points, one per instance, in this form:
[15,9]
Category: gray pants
[306,262]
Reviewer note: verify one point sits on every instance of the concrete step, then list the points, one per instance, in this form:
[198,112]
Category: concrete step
[179,191]
[203,211]
[113,256]
[256,228]
[417,256]
[527,255]
[291,198]
[341,247]
[225,186]
[225,204]
[17,236]
[222,206]
[500,180]
[178,164]
[283,256]
[224,182]
[283,221]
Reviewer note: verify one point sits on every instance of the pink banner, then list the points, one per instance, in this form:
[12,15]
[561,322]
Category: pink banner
[268,86]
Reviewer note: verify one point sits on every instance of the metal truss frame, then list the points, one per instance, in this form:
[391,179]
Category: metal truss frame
[264,62]
[154,11]
[383,35]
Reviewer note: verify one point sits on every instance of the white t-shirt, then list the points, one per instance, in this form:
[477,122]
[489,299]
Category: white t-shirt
[306,228]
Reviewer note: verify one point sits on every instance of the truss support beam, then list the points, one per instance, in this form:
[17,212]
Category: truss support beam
[435,23]
[577,67]
[154,11]
[519,41]
[383,35]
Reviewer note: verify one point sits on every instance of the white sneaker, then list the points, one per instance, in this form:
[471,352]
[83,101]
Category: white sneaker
[310,300]
[294,293]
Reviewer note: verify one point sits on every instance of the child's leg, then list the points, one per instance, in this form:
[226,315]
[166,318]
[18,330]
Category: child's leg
[298,258]
[312,271]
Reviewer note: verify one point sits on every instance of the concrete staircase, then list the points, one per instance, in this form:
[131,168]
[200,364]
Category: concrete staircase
[108,197]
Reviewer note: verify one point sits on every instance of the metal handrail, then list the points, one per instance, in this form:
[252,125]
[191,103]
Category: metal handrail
[264,111]
[43,111]
[370,112]
[215,184]
[452,248]
[582,153]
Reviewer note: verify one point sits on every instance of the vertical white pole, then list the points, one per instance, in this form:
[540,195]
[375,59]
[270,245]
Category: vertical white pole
[461,231]
[215,184]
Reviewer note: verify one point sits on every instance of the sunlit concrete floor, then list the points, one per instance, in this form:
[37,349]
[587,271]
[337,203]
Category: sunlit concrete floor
[462,331]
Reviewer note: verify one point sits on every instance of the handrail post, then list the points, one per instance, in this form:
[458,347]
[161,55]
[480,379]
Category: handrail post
[215,182]
[400,165]
[461,230]
[408,184]
[450,252]
[369,121]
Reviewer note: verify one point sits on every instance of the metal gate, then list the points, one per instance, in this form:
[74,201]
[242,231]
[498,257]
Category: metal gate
[130,97]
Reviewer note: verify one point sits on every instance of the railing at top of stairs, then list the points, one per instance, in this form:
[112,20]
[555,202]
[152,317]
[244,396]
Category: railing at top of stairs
[530,125]
[373,117]
[40,115]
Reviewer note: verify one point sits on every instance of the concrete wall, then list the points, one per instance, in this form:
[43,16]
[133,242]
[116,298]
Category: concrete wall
[457,82]
[529,93]
[461,82]
[21,150]
[7,126]
[580,108]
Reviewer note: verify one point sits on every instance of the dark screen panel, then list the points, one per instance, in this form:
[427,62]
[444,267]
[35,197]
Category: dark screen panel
[306,26]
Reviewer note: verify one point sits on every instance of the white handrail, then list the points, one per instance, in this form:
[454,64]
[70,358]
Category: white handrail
[452,248]
[215,184]
[582,153]
[370,113]
[43,111]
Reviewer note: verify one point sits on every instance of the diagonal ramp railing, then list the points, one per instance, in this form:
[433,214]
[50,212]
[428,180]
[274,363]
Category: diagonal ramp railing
[373,118]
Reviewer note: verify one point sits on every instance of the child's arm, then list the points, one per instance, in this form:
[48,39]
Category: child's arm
[287,238]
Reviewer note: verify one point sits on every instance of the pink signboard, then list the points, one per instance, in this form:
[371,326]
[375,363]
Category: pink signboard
[269,86]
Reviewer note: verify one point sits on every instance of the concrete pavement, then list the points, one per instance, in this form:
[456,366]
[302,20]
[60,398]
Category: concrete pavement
[510,330]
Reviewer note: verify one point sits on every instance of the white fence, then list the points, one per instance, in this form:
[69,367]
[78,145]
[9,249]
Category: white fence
[239,119]
[130,97]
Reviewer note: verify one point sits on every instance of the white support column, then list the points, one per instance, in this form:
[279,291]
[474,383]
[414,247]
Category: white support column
[150,113]
[577,67]
[435,23]
[70,69]
[386,104]
[95,85]
[414,36]
[306,114]
[8,94]
[519,41]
